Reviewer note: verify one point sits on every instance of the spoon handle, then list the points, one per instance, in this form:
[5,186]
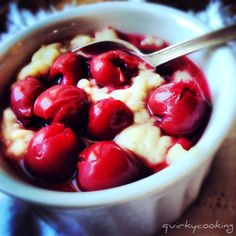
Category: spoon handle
[208,40]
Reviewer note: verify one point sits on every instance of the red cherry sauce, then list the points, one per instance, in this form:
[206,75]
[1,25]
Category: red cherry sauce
[138,41]
[126,65]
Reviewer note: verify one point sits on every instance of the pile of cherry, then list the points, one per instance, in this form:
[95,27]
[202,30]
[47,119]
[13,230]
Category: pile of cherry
[64,115]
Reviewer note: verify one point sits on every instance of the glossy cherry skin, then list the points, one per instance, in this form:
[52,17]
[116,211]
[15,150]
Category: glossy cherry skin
[68,69]
[107,118]
[105,165]
[52,153]
[114,68]
[179,107]
[63,104]
[23,96]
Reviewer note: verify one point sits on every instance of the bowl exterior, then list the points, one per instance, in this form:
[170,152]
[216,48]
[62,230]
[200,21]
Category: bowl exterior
[140,217]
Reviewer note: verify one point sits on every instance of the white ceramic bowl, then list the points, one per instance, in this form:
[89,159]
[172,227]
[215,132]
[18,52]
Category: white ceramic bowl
[142,207]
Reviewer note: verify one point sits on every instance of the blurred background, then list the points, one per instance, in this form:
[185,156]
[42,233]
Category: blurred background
[228,7]
[217,199]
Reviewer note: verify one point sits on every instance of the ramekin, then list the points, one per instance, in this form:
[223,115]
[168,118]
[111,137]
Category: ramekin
[142,207]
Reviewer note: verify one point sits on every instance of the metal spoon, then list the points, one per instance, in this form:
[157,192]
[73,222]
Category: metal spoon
[167,54]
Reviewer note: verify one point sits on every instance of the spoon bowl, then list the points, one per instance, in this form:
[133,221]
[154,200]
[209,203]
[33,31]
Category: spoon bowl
[159,57]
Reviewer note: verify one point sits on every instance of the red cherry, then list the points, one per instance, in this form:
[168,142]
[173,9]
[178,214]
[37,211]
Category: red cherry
[105,165]
[107,118]
[179,107]
[69,68]
[23,96]
[63,104]
[52,153]
[114,68]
